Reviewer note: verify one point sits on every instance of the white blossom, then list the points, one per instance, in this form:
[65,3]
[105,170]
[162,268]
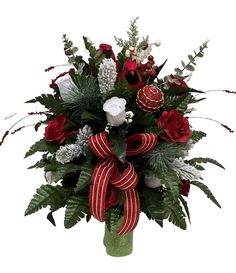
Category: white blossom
[115,111]
[107,75]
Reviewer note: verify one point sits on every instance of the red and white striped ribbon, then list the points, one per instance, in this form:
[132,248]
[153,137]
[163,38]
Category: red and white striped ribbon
[108,171]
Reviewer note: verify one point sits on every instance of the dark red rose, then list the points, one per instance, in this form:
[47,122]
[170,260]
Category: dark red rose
[54,131]
[111,197]
[182,83]
[105,47]
[176,127]
[131,73]
[185,187]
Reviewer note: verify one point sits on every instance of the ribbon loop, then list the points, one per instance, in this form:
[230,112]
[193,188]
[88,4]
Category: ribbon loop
[108,170]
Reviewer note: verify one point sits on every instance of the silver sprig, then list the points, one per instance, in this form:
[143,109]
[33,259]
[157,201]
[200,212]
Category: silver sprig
[70,151]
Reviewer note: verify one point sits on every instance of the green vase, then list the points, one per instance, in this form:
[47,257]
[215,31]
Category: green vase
[116,245]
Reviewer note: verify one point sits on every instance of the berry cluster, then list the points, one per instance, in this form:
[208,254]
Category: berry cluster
[148,69]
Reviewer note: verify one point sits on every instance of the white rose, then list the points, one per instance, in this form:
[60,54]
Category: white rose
[151,181]
[67,88]
[115,111]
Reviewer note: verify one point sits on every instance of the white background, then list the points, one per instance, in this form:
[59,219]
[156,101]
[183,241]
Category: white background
[31,41]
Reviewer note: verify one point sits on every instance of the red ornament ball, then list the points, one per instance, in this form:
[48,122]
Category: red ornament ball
[150,98]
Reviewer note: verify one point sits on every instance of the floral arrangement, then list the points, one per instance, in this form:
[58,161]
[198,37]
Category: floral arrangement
[117,138]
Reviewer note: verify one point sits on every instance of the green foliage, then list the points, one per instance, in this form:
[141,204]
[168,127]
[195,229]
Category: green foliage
[164,153]
[121,58]
[206,190]
[61,170]
[52,102]
[197,160]
[112,217]
[84,178]
[153,204]
[185,206]
[70,52]
[42,146]
[96,56]
[121,89]
[77,207]
[118,142]
[197,135]
[190,66]
[180,103]
[174,211]
[133,37]
[171,181]
[47,195]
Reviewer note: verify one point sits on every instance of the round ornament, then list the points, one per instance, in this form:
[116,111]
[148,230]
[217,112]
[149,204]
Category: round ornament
[150,98]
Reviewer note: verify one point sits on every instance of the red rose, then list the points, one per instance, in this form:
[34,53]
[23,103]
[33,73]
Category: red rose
[185,187]
[105,47]
[176,127]
[111,197]
[54,131]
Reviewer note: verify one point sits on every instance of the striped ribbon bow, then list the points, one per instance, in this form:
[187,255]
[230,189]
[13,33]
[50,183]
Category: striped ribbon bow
[108,171]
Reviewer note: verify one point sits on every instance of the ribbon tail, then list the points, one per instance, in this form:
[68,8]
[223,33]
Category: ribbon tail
[97,190]
[131,212]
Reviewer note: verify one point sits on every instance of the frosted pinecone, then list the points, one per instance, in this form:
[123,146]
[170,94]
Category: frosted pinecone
[107,75]
[70,151]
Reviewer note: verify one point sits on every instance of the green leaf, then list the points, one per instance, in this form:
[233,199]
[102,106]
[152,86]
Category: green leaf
[84,178]
[183,64]
[197,135]
[185,205]
[206,190]
[178,71]
[118,143]
[190,68]
[77,207]
[183,106]
[46,195]
[51,218]
[200,54]
[191,58]
[42,146]
[174,212]
[198,160]
[171,181]
[61,170]
[51,102]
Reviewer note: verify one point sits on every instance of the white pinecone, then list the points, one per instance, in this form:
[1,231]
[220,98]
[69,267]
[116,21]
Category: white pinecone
[107,75]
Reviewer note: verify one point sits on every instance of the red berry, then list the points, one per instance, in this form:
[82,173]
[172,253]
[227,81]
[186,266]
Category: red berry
[150,57]
[153,73]
[144,74]
[148,66]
